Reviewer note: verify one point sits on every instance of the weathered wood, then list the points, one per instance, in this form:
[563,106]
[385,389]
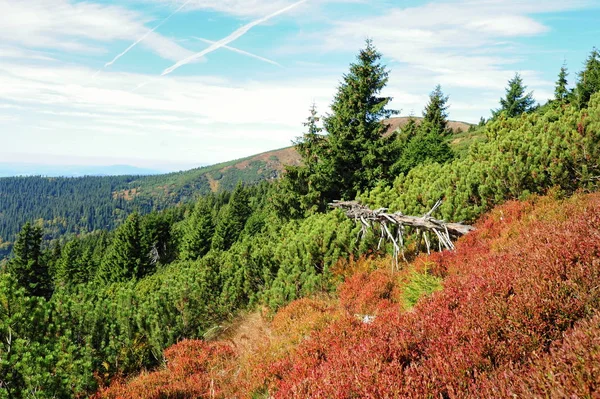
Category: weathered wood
[421,224]
[355,210]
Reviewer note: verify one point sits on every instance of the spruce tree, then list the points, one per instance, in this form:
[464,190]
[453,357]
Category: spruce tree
[354,158]
[126,258]
[69,269]
[516,101]
[27,266]
[232,219]
[589,79]
[300,191]
[435,114]
[198,231]
[561,93]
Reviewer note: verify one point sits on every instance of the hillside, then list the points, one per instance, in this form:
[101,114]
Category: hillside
[84,204]
[500,317]
[510,310]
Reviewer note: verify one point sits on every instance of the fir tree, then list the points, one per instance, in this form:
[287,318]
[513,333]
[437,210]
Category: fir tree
[589,79]
[561,93]
[435,114]
[27,266]
[516,101]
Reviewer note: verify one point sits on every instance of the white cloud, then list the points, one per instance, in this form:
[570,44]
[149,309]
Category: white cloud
[242,8]
[77,27]
[464,45]
[190,114]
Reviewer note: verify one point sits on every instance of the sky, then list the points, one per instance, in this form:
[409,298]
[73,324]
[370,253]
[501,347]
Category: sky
[173,84]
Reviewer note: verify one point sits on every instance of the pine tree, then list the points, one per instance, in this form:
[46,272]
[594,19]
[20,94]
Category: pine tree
[27,266]
[589,79]
[198,231]
[126,258]
[435,114]
[355,143]
[516,101]
[561,93]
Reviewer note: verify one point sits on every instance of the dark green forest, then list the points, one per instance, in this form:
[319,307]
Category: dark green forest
[82,311]
[75,206]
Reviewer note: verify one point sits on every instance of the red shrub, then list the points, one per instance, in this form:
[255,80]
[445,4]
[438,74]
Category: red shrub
[513,288]
[365,293]
[194,369]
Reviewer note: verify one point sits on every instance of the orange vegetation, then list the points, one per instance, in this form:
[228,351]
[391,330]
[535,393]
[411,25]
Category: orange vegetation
[518,317]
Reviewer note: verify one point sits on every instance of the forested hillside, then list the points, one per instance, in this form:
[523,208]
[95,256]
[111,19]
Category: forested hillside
[82,205]
[517,301]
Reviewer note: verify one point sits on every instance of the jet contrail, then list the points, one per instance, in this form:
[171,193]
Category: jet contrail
[235,35]
[145,36]
[235,50]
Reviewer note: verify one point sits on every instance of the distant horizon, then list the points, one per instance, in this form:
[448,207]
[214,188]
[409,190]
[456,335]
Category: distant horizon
[16,169]
[48,164]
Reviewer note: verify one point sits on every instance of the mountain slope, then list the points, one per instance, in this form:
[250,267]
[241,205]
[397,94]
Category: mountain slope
[518,315]
[83,204]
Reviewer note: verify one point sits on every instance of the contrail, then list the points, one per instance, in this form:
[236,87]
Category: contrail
[235,35]
[235,50]
[145,36]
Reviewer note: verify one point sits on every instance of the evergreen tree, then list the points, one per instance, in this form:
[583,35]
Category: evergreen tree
[157,240]
[516,101]
[198,231]
[561,93]
[126,258]
[232,219]
[27,266]
[422,146]
[354,158]
[301,188]
[589,79]
[312,144]
[69,268]
[435,114]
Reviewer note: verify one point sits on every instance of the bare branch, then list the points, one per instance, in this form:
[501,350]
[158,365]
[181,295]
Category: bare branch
[423,225]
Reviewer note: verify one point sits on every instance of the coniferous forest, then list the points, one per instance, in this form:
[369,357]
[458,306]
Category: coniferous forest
[106,297]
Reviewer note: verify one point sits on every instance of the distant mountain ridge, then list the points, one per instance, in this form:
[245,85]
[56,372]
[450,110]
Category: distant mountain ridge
[33,169]
[74,205]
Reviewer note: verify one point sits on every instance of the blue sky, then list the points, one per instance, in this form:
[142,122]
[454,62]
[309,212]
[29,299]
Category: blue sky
[174,100]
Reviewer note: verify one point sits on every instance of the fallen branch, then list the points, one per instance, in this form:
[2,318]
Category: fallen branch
[423,225]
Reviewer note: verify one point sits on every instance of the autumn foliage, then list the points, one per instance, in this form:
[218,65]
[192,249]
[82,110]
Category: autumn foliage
[519,314]
[194,369]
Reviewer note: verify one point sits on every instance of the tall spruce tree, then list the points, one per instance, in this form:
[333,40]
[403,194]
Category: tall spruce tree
[69,268]
[27,263]
[356,155]
[232,219]
[435,114]
[126,259]
[561,92]
[302,187]
[198,231]
[589,79]
[516,101]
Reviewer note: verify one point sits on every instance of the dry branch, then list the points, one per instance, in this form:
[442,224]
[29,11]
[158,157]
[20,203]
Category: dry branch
[423,225]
